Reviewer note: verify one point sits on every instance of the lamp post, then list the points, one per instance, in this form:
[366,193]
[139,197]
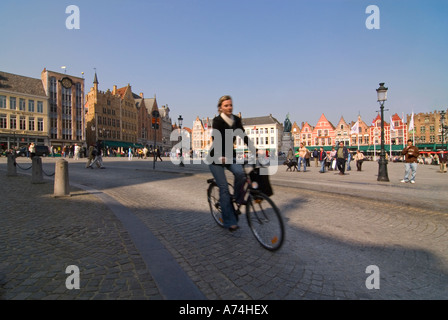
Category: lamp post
[382,164]
[155,125]
[180,119]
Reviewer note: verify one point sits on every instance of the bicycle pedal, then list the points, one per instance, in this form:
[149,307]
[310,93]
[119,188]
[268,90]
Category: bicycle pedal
[258,200]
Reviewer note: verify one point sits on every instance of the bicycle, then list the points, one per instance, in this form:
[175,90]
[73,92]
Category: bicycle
[263,216]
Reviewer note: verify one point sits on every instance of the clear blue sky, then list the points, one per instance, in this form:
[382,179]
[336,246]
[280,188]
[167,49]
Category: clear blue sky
[304,58]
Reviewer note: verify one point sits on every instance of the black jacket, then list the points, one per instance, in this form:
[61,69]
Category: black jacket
[218,147]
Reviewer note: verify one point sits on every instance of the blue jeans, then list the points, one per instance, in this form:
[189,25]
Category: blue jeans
[228,213]
[410,168]
[322,166]
[300,164]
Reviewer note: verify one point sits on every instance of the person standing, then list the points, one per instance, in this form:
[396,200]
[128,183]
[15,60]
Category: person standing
[359,159]
[76,151]
[341,158]
[411,154]
[130,153]
[322,156]
[32,150]
[302,157]
[316,157]
[442,160]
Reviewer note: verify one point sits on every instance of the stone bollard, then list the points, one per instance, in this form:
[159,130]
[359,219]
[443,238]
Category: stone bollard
[61,183]
[12,169]
[36,176]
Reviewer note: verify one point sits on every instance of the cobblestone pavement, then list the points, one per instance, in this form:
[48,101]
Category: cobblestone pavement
[337,226]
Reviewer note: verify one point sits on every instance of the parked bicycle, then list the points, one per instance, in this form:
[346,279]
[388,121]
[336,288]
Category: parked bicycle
[263,216]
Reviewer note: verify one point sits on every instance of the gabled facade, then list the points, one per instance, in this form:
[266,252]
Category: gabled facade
[323,134]
[129,122]
[295,133]
[306,135]
[342,132]
[201,136]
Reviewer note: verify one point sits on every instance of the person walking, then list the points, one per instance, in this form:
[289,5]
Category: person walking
[316,157]
[32,150]
[411,154]
[322,157]
[302,157]
[442,160]
[359,159]
[130,153]
[76,151]
[226,127]
[341,158]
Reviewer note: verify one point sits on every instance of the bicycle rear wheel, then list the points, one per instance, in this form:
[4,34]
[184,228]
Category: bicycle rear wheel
[265,221]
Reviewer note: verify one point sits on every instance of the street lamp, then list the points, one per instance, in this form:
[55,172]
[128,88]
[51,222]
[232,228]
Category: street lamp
[155,125]
[382,168]
[180,119]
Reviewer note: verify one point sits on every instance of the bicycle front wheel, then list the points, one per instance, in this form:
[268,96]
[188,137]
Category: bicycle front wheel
[213,202]
[265,221]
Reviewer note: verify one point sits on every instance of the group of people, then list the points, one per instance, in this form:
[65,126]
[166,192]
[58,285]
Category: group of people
[339,158]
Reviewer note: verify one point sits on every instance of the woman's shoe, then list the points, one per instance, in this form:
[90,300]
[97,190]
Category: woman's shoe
[233,228]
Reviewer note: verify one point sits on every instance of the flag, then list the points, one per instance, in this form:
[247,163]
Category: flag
[392,125]
[355,128]
[411,123]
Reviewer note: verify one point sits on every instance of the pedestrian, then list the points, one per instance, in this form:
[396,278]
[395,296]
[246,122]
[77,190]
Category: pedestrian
[359,159]
[130,153]
[322,157]
[90,155]
[332,159]
[341,158]
[411,154]
[307,157]
[349,159]
[316,157]
[302,157]
[290,155]
[442,160]
[218,159]
[76,151]
[32,150]
[158,155]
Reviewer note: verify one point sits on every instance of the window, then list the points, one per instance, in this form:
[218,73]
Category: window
[31,124]
[2,102]
[3,121]
[31,105]
[422,129]
[40,124]
[22,104]
[40,107]
[12,103]
[22,123]
[12,122]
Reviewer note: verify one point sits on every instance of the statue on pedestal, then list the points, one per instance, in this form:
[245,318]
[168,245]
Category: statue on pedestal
[287,124]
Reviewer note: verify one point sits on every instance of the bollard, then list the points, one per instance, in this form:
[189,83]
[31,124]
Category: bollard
[36,174]
[12,169]
[61,183]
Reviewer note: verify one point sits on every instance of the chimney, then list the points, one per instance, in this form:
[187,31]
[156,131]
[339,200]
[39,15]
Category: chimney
[114,91]
[141,95]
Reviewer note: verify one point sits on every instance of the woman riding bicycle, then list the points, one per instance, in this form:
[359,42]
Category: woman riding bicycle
[226,127]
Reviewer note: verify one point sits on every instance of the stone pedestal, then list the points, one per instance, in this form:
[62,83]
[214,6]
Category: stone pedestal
[287,142]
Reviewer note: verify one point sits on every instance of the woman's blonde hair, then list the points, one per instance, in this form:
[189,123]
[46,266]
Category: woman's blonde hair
[222,99]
